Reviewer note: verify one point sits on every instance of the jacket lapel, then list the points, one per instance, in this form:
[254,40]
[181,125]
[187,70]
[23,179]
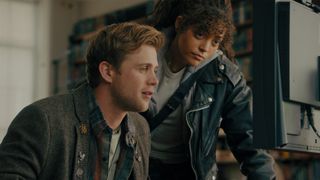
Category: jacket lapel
[80,100]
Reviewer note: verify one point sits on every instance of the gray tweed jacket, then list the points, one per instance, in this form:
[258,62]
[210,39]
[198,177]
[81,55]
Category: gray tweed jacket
[49,140]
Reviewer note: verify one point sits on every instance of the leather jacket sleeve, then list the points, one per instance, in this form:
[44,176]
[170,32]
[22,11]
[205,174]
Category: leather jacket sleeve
[237,123]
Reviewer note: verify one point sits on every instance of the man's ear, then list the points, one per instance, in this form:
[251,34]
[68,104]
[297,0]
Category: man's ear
[177,23]
[106,71]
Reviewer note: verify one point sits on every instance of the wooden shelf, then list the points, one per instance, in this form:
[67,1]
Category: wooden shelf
[287,156]
[243,53]
[234,2]
[247,24]
[80,62]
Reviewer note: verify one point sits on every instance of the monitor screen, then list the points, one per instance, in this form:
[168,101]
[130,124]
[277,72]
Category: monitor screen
[286,75]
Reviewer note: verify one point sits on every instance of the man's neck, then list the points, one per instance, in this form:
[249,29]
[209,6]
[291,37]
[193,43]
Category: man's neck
[112,118]
[112,114]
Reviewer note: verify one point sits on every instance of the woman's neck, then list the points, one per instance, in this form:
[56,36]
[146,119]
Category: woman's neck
[174,58]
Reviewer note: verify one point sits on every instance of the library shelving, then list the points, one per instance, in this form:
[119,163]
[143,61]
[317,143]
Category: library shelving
[243,20]
[73,65]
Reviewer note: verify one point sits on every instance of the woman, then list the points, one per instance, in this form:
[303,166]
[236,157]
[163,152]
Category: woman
[183,144]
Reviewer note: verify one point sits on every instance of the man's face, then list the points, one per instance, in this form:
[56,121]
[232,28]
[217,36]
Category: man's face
[133,84]
[194,46]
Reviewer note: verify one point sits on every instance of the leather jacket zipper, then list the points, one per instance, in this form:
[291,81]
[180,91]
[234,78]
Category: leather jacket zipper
[191,134]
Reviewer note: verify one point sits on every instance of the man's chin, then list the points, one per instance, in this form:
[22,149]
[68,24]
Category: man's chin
[141,108]
[144,109]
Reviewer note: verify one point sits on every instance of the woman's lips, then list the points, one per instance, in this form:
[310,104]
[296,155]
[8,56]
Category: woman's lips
[198,57]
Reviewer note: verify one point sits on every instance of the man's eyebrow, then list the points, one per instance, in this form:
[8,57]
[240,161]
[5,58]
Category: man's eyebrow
[144,64]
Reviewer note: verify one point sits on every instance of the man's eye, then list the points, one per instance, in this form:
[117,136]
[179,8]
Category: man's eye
[156,70]
[144,68]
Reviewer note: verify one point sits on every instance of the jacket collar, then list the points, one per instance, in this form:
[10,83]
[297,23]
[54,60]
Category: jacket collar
[80,99]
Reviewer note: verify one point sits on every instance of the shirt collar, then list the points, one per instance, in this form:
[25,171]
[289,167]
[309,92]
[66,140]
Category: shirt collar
[96,120]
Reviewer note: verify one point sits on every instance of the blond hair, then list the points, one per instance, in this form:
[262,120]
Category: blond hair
[114,42]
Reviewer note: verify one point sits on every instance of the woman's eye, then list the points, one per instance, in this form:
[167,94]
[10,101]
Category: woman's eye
[199,35]
[216,42]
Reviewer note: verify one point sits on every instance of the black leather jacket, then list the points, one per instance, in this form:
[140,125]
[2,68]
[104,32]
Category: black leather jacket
[222,99]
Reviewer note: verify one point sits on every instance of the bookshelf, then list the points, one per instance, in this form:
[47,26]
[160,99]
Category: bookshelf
[243,20]
[68,71]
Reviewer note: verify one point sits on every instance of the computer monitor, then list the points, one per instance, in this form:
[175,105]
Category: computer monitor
[286,75]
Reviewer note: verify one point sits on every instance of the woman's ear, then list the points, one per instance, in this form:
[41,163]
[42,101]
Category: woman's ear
[106,71]
[177,23]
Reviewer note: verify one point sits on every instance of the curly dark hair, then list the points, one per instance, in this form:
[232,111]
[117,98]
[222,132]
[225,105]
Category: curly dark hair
[206,15]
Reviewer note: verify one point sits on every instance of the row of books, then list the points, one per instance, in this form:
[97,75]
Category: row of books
[78,44]
[242,12]
[245,65]
[243,41]
[92,24]
[84,29]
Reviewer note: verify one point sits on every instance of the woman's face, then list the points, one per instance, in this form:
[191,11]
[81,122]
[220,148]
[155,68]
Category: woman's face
[191,47]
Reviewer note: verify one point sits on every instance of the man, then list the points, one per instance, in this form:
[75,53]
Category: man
[88,134]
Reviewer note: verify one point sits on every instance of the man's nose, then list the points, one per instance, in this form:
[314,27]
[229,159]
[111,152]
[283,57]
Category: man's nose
[153,80]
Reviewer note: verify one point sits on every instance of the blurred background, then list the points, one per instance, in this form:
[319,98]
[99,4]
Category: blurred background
[38,38]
